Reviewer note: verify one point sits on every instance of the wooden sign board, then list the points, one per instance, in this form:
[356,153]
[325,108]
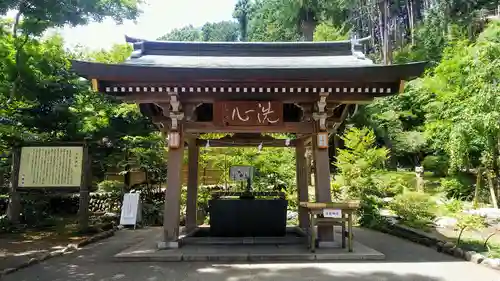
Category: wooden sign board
[131,213]
[241,173]
[248,113]
[322,140]
[51,167]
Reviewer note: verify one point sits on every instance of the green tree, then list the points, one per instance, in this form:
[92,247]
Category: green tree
[359,161]
[186,33]
[32,19]
[223,31]
[127,140]
[268,24]
[328,32]
[358,164]
[241,14]
[463,117]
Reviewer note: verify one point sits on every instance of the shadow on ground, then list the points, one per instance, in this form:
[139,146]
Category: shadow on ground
[228,272]
[405,261]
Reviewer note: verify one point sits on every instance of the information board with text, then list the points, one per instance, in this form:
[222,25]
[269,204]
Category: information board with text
[46,166]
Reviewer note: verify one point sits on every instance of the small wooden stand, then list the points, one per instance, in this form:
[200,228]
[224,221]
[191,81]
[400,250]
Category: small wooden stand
[316,213]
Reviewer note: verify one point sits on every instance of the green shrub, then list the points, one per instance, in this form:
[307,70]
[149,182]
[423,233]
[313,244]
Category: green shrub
[369,211]
[391,184]
[460,186]
[470,222]
[454,206]
[359,164]
[438,165]
[110,186]
[415,208]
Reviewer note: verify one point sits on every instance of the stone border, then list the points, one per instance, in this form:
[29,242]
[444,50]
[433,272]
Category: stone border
[441,246]
[70,248]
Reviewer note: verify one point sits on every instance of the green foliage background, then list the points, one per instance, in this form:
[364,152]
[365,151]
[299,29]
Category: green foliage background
[446,120]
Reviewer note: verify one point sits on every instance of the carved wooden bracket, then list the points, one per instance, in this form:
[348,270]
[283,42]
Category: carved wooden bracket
[174,102]
[175,114]
[343,116]
[321,115]
[172,110]
[190,111]
[307,110]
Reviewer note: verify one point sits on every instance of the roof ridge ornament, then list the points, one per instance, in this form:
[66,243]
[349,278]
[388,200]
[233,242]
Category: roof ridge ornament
[132,40]
[138,45]
[356,44]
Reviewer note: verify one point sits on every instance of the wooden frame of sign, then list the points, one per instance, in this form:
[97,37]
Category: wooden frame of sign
[57,167]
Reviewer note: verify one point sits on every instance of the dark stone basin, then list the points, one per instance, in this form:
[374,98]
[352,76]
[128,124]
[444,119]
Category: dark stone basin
[247,217]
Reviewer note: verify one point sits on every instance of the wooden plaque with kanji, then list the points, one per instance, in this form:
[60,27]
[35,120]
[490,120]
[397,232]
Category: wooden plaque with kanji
[248,113]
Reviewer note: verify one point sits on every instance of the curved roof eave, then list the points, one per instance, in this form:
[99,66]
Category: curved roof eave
[158,74]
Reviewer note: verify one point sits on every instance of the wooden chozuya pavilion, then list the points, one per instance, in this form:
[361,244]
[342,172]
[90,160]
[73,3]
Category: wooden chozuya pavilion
[191,88]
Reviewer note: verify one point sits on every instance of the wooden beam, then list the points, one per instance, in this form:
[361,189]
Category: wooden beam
[245,143]
[287,127]
[156,97]
[163,122]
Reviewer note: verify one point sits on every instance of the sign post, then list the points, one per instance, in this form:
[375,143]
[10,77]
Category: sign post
[55,167]
[51,167]
[14,206]
[131,213]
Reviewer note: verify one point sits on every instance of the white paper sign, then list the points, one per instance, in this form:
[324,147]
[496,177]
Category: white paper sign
[241,173]
[332,213]
[131,209]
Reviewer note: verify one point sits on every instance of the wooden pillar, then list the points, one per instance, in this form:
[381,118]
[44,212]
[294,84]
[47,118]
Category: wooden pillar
[313,166]
[302,182]
[323,191]
[171,214]
[84,201]
[14,206]
[192,184]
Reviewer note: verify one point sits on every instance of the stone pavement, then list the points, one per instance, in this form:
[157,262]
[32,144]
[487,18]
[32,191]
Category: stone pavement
[270,250]
[405,261]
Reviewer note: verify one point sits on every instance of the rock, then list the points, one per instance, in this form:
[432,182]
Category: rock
[386,213]
[389,216]
[440,246]
[493,263]
[387,199]
[392,220]
[468,255]
[44,257]
[448,245]
[440,201]
[426,242]
[111,215]
[488,213]
[70,247]
[9,270]
[448,248]
[458,252]
[445,222]
[477,258]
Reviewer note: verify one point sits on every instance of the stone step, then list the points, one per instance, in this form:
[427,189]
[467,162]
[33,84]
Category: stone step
[244,240]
